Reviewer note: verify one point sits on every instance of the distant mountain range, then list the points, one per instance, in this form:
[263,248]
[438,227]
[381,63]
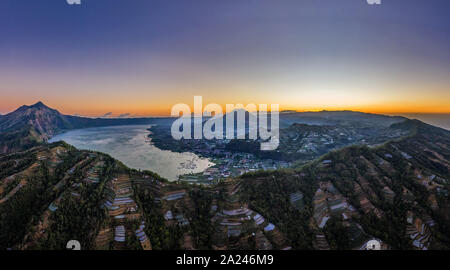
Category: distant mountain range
[47,121]
[31,125]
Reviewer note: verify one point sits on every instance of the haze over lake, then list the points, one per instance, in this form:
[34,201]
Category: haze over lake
[439,120]
[131,145]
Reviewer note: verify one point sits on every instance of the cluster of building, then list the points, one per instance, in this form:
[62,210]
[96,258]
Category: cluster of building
[54,156]
[327,201]
[178,217]
[296,139]
[296,199]
[119,233]
[93,174]
[174,195]
[241,221]
[418,230]
[122,209]
[230,164]
[119,199]
[142,237]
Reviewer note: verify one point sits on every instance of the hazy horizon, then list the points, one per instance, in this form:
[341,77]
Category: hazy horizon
[437,119]
[111,115]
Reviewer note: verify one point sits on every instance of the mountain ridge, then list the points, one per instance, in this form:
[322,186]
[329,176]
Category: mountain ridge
[396,193]
[41,123]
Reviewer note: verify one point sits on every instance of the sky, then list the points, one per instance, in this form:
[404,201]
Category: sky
[141,57]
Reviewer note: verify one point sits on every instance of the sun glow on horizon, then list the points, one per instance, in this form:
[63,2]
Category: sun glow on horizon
[345,56]
[163,110]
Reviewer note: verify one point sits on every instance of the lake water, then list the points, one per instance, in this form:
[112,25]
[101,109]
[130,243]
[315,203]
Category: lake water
[439,120]
[131,145]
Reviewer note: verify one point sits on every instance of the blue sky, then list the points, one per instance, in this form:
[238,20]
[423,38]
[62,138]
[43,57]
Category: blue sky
[143,56]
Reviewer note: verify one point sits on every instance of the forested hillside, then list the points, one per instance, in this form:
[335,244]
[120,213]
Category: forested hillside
[396,192]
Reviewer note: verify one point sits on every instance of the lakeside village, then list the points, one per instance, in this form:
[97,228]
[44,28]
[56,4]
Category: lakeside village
[226,163]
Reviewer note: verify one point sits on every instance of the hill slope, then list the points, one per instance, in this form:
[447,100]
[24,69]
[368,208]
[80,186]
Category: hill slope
[396,192]
[43,119]
[38,123]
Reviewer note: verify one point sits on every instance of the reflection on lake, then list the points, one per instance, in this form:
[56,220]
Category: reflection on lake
[130,145]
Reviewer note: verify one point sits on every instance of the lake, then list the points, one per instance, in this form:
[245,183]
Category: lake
[131,145]
[439,120]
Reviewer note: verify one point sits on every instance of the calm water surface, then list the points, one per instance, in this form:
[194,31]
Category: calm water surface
[131,145]
[439,120]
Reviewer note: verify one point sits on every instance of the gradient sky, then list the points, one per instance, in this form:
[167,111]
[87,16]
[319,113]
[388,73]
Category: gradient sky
[143,56]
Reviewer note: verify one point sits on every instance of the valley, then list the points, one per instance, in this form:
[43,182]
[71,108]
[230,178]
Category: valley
[393,188]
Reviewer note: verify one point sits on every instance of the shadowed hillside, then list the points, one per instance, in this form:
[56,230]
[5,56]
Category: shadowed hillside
[37,123]
[392,184]
[396,192]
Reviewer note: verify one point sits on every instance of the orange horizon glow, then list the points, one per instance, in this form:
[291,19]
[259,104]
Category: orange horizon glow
[302,55]
[160,110]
